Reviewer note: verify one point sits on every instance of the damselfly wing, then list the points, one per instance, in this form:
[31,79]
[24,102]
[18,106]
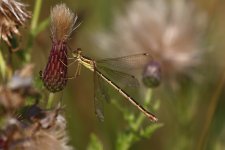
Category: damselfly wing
[112,71]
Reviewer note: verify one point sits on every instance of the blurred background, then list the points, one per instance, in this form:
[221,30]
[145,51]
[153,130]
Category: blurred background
[186,37]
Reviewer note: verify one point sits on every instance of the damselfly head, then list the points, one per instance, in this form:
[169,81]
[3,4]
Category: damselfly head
[77,52]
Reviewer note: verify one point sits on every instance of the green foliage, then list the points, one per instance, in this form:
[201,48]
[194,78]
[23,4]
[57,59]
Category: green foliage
[149,130]
[135,130]
[94,143]
[42,26]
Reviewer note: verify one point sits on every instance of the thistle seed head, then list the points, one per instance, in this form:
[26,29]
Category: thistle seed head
[62,22]
[14,93]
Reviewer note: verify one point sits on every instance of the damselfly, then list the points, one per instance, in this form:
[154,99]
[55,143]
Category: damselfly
[110,66]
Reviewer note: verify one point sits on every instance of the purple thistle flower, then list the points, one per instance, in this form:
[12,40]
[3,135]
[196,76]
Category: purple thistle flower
[55,73]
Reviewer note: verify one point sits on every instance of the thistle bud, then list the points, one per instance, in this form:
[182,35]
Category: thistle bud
[152,74]
[62,24]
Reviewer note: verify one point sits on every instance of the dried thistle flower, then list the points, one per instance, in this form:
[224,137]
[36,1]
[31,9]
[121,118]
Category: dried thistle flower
[12,95]
[169,31]
[25,136]
[22,78]
[13,14]
[10,100]
[62,24]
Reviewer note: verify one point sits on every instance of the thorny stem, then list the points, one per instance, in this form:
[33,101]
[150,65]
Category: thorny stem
[210,113]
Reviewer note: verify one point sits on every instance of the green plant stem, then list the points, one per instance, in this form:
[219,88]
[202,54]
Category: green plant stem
[2,66]
[34,24]
[36,15]
[210,113]
[135,124]
[50,100]
[141,116]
